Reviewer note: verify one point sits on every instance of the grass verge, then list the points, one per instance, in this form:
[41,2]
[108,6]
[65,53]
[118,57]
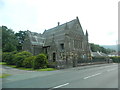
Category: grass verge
[4,75]
[46,69]
[22,68]
[2,63]
[31,69]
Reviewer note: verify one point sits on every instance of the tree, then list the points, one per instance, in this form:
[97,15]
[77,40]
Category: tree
[20,36]
[9,40]
[95,48]
[9,47]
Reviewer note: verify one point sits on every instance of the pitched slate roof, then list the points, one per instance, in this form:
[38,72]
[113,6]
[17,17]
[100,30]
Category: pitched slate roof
[43,39]
[113,54]
[60,29]
[98,54]
[36,38]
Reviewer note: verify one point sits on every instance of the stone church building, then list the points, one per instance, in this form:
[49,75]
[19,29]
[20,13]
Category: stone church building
[65,45]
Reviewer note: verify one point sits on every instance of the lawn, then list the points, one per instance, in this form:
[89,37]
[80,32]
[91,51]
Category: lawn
[22,68]
[4,75]
[2,63]
[46,69]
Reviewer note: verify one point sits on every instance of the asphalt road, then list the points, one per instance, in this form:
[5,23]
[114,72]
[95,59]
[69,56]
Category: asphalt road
[95,76]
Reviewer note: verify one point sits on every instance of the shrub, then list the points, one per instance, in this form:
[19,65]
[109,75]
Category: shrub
[4,56]
[8,57]
[28,62]
[19,60]
[19,57]
[40,61]
[116,59]
[24,53]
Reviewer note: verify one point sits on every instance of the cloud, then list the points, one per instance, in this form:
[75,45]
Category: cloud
[98,17]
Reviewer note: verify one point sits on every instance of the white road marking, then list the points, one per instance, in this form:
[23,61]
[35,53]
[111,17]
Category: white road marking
[61,85]
[92,76]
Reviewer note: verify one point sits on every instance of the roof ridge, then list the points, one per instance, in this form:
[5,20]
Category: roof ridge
[60,25]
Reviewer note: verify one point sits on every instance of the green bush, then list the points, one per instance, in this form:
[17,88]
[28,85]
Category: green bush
[8,57]
[4,56]
[24,53]
[19,58]
[40,61]
[28,62]
[115,59]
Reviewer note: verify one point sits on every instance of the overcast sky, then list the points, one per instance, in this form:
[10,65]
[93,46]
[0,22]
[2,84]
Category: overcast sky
[99,17]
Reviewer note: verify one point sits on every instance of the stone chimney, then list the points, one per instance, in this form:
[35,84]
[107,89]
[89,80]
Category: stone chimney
[58,23]
[77,17]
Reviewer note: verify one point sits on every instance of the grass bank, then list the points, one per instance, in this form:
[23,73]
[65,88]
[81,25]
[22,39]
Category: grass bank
[23,68]
[4,75]
[2,63]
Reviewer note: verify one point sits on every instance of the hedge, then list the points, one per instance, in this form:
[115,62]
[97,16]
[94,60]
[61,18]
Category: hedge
[115,59]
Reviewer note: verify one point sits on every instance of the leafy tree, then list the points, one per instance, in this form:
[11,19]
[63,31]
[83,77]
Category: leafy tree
[9,47]
[9,40]
[95,48]
[20,36]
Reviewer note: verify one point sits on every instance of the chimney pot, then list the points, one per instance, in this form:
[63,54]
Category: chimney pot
[58,23]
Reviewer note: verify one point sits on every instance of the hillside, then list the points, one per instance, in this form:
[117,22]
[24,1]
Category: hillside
[114,47]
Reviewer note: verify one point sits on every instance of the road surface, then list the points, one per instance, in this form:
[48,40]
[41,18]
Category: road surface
[95,76]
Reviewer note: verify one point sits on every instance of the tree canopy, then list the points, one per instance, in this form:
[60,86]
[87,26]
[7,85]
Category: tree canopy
[20,36]
[9,40]
[12,41]
[95,48]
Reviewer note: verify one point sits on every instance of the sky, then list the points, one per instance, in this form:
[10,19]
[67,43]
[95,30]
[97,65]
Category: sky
[99,17]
